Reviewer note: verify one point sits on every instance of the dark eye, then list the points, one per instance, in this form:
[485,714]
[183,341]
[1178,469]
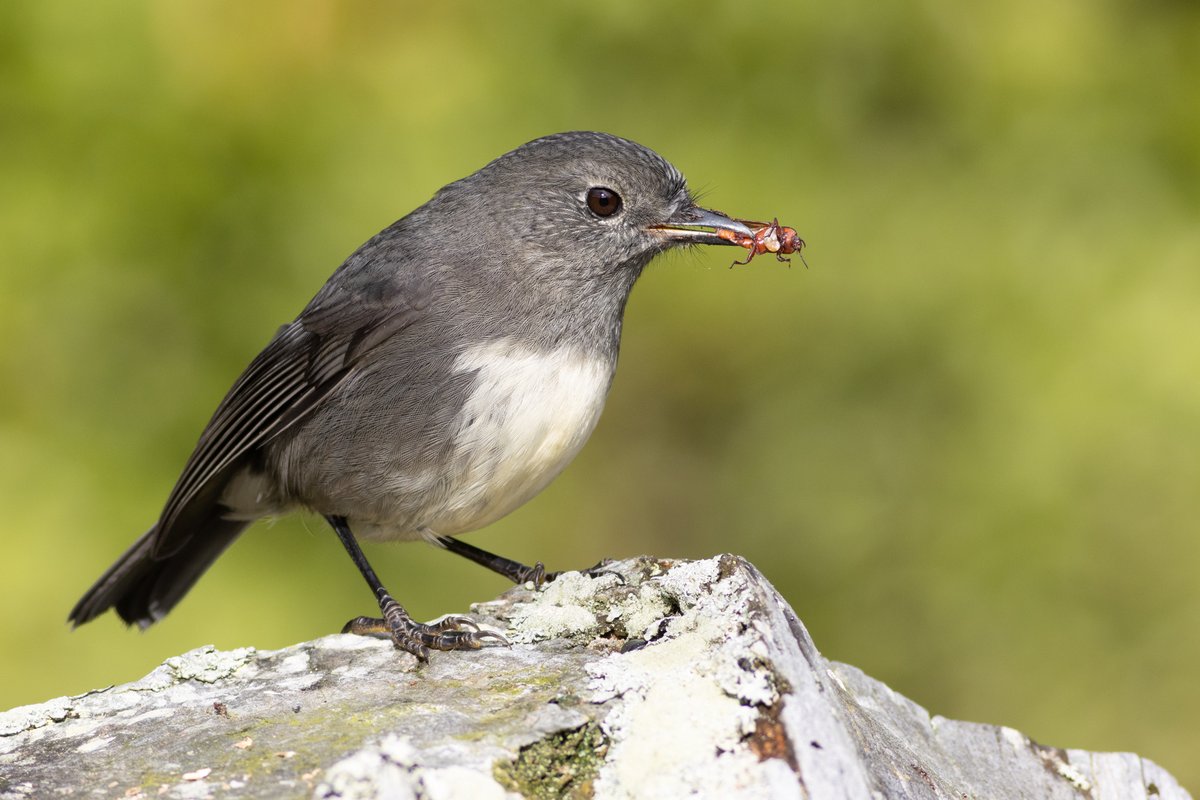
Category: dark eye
[603,202]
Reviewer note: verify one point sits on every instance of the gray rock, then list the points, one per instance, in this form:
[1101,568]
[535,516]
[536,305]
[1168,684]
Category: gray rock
[658,679]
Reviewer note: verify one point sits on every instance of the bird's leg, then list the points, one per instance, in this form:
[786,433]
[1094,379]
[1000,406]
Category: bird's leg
[451,633]
[515,571]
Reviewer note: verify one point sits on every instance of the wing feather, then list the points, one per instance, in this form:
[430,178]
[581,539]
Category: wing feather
[282,385]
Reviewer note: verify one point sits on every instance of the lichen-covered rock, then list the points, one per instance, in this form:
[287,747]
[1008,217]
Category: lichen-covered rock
[651,679]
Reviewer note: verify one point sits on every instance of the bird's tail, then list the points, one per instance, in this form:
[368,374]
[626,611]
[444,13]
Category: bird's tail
[143,587]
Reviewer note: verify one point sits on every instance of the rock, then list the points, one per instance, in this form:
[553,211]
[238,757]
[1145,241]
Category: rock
[654,679]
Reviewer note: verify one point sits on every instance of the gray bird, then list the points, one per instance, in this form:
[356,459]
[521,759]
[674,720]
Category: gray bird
[443,376]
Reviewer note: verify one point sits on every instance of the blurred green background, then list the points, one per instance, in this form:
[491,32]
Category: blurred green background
[964,444]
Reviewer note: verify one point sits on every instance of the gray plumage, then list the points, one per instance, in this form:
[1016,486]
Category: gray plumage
[445,373]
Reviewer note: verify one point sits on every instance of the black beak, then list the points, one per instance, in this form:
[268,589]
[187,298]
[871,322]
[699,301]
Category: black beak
[700,226]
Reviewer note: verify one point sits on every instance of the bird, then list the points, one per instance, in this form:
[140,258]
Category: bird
[445,373]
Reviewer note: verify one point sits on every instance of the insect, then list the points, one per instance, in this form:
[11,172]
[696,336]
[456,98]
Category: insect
[767,238]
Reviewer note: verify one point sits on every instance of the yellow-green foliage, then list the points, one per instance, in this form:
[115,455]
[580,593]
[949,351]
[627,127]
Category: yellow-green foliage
[563,765]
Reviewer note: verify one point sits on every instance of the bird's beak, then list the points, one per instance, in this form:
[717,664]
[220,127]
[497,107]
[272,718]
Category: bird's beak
[695,225]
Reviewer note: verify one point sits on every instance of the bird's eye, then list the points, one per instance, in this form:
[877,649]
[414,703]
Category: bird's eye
[603,202]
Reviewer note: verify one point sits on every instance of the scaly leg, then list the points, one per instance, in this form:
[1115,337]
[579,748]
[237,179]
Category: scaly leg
[515,571]
[451,633]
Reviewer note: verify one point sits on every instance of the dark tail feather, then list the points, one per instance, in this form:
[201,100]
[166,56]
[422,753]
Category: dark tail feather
[142,588]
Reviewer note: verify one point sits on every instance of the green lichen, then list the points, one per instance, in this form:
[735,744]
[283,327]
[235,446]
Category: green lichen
[562,766]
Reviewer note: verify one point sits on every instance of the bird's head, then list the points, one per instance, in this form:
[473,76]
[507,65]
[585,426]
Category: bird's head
[585,206]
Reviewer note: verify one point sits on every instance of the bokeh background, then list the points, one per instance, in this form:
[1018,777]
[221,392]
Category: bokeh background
[964,443]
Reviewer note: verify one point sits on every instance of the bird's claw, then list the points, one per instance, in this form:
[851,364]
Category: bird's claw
[536,575]
[597,570]
[454,632]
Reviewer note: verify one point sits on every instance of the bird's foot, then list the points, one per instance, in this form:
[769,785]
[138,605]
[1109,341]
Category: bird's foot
[449,633]
[536,575]
[597,570]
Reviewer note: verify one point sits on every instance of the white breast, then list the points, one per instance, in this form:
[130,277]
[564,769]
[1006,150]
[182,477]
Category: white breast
[527,416]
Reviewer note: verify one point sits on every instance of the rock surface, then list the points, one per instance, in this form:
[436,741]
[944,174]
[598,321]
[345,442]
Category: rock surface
[656,680]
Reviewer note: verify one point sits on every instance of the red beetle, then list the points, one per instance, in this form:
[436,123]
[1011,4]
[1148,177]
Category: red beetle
[767,238]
